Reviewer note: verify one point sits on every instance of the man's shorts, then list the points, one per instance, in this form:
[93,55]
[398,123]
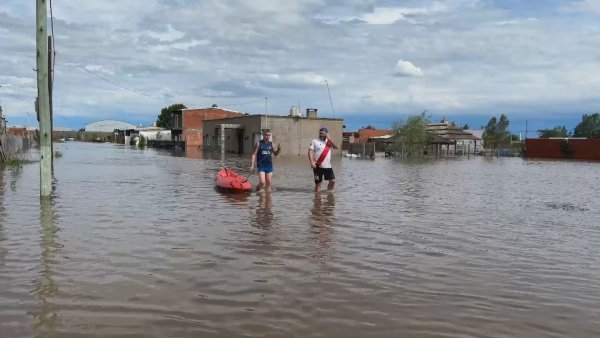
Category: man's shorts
[265,169]
[323,173]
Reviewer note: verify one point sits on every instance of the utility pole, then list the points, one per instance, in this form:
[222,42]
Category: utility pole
[43,98]
[50,81]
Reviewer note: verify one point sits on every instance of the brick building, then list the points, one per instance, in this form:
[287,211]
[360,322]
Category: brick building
[366,134]
[563,148]
[188,124]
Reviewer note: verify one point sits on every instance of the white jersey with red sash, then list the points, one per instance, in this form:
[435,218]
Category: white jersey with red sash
[322,152]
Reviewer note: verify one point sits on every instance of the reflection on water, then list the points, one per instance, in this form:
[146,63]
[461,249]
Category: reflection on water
[13,177]
[2,221]
[139,243]
[194,152]
[46,318]
[234,198]
[322,214]
[264,211]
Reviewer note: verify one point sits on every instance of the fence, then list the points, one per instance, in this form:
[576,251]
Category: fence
[15,146]
[362,149]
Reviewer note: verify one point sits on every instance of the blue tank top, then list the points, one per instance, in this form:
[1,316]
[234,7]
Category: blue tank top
[264,158]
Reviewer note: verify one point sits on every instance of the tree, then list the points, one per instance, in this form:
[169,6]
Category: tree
[496,133]
[503,125]
[489,134]
[164,119]
[412,135]
[465,127]
[588,127]
[558,131]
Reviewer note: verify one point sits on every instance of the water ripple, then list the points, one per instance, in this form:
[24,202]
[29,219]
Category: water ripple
[138,243]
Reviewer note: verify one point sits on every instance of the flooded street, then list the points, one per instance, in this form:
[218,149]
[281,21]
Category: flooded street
[137,243]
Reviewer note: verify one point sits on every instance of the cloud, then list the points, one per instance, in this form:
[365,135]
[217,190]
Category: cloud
[182,45]
[407,68]
[390,15]
[462,56]
[99,69]
[297,79]
[586,6]
[168,36]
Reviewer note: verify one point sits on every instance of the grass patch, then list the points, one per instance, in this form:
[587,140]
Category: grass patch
[11,161]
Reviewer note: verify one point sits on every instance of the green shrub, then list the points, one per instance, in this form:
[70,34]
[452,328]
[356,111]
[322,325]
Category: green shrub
[11,161]
[142,142]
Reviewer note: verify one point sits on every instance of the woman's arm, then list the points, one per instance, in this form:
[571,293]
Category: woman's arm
[278,150]
[253,161]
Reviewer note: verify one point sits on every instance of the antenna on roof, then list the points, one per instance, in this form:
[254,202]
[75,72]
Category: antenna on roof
[330,101]
[266,114]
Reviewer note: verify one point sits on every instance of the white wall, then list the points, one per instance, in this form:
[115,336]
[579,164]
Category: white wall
[156,135]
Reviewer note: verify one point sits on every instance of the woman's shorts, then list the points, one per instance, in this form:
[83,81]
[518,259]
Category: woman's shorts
[265,169]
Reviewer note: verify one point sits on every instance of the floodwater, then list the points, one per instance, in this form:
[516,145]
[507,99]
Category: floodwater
[137,243]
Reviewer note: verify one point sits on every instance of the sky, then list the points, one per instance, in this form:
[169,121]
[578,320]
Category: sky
[537,61]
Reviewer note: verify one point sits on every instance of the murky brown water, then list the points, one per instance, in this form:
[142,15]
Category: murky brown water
[139,244]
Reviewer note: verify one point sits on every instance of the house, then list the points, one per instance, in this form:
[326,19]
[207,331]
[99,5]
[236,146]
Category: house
[294,132]
[447,134]
[187,125]
[480,144]
[367,135]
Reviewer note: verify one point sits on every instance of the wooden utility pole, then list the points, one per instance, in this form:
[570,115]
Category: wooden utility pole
[43,98]
[50,81]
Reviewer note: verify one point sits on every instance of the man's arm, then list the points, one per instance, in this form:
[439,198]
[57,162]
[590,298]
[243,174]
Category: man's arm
[331,142]
[311,158]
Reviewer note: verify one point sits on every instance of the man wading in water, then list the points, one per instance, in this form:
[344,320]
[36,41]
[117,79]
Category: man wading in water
[320,148]
[262,159]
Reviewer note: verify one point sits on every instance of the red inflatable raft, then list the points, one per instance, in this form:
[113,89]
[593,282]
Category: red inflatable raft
[229,180]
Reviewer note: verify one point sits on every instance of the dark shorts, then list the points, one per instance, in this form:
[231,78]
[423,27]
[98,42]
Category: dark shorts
[323,173]
[265,169]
